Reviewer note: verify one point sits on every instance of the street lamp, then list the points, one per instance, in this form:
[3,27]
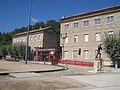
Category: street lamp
[63,36]
[27,37]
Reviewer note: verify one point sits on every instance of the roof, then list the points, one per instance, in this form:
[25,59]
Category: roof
[33,31]
[91,13]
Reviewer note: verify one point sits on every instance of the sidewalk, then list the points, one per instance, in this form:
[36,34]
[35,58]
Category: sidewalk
[90,70]
[98,82]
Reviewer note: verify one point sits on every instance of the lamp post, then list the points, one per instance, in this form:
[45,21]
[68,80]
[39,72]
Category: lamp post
[27,37]
[63,36]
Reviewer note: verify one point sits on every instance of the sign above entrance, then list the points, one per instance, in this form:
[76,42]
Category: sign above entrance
[50,49]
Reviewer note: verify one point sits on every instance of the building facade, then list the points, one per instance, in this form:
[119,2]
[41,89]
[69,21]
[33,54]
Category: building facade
[81,34]
[43,37]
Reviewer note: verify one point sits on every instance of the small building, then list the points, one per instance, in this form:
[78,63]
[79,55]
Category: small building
[82,33]
[40,38]
[43,37]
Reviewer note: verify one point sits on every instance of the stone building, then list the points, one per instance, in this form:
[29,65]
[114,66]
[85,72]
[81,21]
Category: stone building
[82,33]
[42,37]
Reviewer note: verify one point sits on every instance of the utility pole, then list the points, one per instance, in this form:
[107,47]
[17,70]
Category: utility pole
[27,37]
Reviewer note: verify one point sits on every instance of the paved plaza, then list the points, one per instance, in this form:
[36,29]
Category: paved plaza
[109,79]
[99,82]
[17,67]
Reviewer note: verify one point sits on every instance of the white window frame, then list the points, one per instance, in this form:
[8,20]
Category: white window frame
[76,25]
[40,37]
[66,26]
[110,19]
[75,38]
[14,41]
[31,38]
[86,38]
[97,21]
[75,54]
[97,36]
[35,38]
[67,39]
[85,54]
[110,33]
[24,40]
[86,23]
[20,40]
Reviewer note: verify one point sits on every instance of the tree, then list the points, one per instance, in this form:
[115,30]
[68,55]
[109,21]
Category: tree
[10,50]
[3,51]
[112,47]
[54,24]
[38,25]
[23,29]
[17,50]
[15,31]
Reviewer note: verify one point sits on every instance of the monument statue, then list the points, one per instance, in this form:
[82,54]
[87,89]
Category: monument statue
[98,51]
[98,63]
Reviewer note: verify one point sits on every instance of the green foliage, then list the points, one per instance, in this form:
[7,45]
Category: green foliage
[3,51]
[38,25]
[112,46]
[6,38]
[17,50]
[54,24]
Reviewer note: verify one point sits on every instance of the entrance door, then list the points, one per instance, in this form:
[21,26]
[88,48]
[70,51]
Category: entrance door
[65,55]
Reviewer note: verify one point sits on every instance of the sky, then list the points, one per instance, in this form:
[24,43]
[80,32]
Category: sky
[14,13]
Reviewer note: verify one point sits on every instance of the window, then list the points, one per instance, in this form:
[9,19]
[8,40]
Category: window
[97,21]
[14,41]
[85,54]
[86,38]
[76,25]
[75,38]
[97,36]
[111,33]
[86,23]
[66,39]
[66,26]
[35,37]
[31,38]
[40,37]
[39,45]
[65,55]
[24,40]
[75,54]
[20,40]
[110,19]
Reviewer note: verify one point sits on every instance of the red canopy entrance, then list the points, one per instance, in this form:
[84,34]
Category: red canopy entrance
[47,54]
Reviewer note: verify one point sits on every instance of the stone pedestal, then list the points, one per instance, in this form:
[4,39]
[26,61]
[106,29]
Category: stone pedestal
[98,64]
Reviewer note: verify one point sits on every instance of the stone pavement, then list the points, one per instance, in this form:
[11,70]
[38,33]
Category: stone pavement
[107,80]
[98,82]
[32,66]
[17,67]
